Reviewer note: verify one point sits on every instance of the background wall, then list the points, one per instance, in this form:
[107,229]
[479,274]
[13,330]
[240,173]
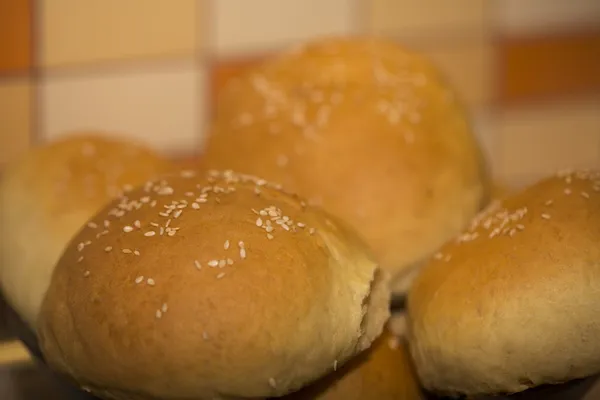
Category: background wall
[149,69]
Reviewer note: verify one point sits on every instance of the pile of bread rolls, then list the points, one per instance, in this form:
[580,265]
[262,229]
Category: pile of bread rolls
[339,177]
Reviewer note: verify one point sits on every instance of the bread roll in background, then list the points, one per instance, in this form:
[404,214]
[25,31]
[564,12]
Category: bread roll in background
[513,302]
[383,372]
[366,129]
[45,198]
[210,286]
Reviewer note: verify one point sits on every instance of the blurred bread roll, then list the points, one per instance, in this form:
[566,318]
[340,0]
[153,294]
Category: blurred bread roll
[513,302]
[210,286]
[47,196]
[383,372]
[364,128]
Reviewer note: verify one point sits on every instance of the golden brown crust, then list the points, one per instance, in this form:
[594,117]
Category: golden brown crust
[513,302]
[366,129]
[383,372]
[46,197]
[210,286]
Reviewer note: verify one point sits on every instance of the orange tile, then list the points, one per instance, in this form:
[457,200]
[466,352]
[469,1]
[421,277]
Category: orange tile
[15,35]
[15,118]
[549,66]
[223,71]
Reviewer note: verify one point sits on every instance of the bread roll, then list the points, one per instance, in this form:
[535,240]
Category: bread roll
[45,198]
[383,372]
[514,302]
[216,286]
[364,128]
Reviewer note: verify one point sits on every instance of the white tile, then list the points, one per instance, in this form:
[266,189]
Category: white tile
[539,140]
[245,26]
[162,106]
[538,16]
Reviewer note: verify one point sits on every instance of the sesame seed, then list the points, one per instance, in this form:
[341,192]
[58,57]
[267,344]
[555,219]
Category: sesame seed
[177,213]
[259,221]
[272,383]
[127,251]
[139,279]
[226,245]
[86,273]
[585,195]
[108,248]
[269,236]
[136,252]
[241,244]
[205,335]
[568,191]
[335,365]
[546,216]
[195,206]
[549,202]
[149,233]
[213,263]
[242,253]
[150,281]
[229,261]
[137,224]
[164,307]
[92,225]
[220,275]
[222,263]
[127,228]
[80,259]
[158,314]
[197,264]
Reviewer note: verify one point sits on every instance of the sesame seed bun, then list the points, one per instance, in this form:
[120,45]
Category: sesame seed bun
[513,302]
[383,372]
[47,195]
[364,128]
[207,286]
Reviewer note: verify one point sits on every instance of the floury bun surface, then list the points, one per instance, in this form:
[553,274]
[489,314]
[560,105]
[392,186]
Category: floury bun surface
[48,194]
[210,286]
[365,128]
[514,302]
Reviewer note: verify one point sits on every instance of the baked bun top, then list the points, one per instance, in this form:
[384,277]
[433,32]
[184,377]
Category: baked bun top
[512,303]
[205,286]
[364,128]
[382,372]
[48,194]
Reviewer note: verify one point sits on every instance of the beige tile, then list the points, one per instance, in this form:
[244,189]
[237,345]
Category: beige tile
[537,141]
[414,17]
[161,106]
[487,133]
[468,65]
[75,31]
[524,17]
[262,25]
[15,118]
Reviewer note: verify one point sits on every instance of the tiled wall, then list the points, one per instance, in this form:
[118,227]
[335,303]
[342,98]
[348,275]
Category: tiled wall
[149,69]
